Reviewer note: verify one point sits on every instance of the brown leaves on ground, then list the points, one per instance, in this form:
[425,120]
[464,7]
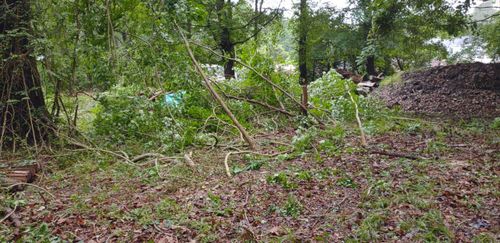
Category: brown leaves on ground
[350,195]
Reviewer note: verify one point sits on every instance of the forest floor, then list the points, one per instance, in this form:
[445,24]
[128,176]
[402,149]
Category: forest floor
[348,193]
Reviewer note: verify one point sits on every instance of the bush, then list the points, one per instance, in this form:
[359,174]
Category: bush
[123,117]
[329,95]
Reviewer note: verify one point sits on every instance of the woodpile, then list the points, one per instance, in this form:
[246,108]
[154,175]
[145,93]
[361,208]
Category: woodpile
[20,172]
[366,83]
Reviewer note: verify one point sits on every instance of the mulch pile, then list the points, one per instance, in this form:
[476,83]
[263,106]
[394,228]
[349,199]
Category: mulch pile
[462,90]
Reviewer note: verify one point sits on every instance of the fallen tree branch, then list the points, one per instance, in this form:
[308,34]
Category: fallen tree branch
[260,103]
[9,214]
[29,184]
[396,154]
[214,93]
[188,159]
[252,101]
[123,156]
[148,155]
[358,119]
[269,81]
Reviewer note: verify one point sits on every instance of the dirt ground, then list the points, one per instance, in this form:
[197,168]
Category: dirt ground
[462,90]
[350,194]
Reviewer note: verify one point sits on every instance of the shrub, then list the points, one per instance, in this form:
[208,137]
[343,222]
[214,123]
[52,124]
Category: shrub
[123,117]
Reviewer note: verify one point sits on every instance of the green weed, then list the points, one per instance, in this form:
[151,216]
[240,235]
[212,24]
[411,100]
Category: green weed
[283,180]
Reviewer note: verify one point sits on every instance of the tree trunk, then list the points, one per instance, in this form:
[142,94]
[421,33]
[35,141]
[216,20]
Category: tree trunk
[23,114]
[228,48]
[370,65]
[400,64]
[226,44]
[303,78]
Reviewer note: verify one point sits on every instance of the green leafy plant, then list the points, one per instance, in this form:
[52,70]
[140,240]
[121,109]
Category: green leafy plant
[292,207]
[282,179]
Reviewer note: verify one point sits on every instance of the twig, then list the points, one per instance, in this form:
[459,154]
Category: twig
[147,155]
[188,159]
[29,184]
[395,154]
[360,125]
[9,214]
[260,103]
[123,156]
[226,165]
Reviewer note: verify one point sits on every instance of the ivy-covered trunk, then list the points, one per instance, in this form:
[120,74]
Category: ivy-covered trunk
[23,114]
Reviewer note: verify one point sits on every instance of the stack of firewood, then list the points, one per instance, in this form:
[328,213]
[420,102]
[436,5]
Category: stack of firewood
[23,171]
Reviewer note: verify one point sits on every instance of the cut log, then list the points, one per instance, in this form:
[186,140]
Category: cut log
[24,171]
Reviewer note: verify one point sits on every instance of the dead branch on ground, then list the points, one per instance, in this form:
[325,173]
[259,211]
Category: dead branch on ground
[214,93]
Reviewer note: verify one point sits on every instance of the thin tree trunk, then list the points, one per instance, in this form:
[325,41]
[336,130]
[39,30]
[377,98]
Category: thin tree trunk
[370,65]
[400,64]
[225,43]
[23,113]
[111,35]
[303,79]
[74,62]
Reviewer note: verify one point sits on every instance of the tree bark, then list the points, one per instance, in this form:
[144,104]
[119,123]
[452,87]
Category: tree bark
[370,65]
[226,44]
[303,78]
[23,113]
[400,64]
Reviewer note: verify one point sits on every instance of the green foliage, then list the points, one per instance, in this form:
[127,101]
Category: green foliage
[392,79]
[40,233]
[330,97]
[292,207]
[434,228]
[253,164]
[303,140]
[495,124]
[124,116]
[283,180]
[490,35]
[346,182]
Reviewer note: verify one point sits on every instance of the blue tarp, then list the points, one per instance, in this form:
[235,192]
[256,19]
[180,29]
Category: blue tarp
[174,99]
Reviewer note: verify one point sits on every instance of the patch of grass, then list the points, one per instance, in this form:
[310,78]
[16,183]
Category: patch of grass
[369,228]
[495,124]
[216,206]
[432,228]
[484,238]
[304,175]
[205,230]
[436,146]
[168,209]
[39,233]
[393,79]
[283,180]
[143,215]
[346,182]
[78,204]
[252,164]
[292,207]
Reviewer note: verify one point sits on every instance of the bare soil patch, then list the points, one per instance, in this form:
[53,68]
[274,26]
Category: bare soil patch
[462,90]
